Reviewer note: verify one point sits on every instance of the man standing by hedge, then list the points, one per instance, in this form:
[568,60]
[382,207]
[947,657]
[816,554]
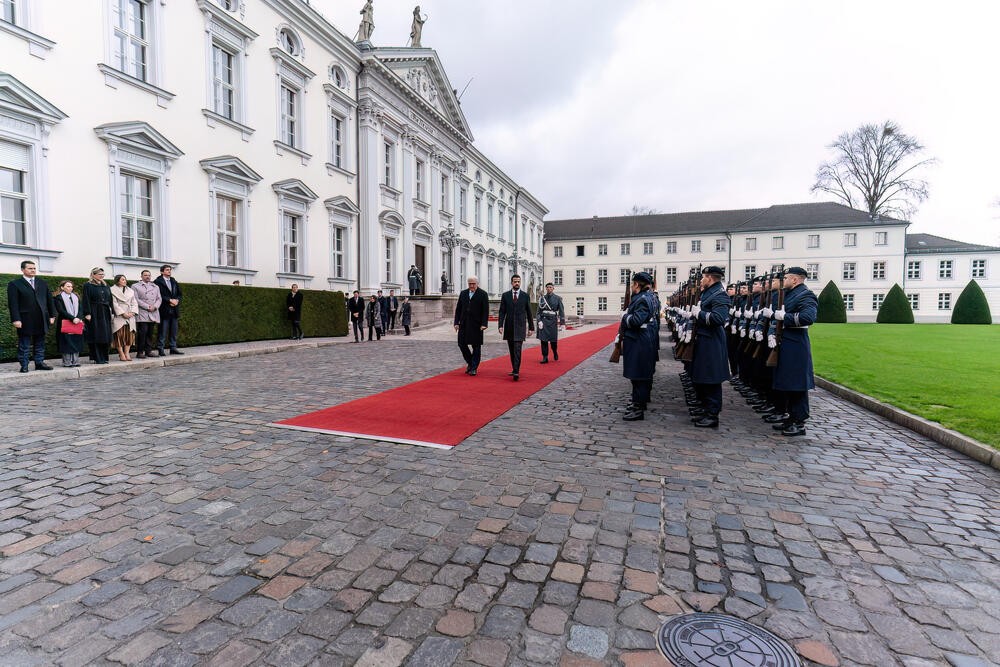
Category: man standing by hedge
[793,375]
[170,309]
[356,306]
[147,294]
[32,310]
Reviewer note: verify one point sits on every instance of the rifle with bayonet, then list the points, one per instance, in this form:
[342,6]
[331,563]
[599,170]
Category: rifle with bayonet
[616,353]
[763,323]
[691,296]
[779,325]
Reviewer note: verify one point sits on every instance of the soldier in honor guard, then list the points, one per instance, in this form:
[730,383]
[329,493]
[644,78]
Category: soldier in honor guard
[551,317]
[639,344]
[710,365]
[732,337]
[793,375]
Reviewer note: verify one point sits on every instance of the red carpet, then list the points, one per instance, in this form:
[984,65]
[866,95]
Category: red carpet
[444,410]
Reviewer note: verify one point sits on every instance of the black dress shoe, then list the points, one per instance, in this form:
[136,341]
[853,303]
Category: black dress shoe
[633,416]
[43,367]
[544,361]
[776,417]
[780,426]
[707,422]
[555,355]
[514,375]
[794,429]
[175,351]
[24,369]
[697,414]
[763,409]
[472,372]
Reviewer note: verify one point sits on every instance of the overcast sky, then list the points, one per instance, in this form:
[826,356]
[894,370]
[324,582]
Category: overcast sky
[595,106]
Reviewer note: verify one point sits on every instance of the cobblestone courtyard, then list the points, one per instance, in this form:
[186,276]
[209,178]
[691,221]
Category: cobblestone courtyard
[154,517]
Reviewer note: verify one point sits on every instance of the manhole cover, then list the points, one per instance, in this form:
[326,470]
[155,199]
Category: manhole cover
[717,640]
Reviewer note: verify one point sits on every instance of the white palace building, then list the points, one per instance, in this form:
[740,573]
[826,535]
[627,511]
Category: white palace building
[244,140]
[588,258]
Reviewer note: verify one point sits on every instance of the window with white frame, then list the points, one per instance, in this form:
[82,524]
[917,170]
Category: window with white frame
[849,301]
[812,271]
[390,259]
[230,183]
[581,277]
[463,195]
[849,270]
[671,247]
[579,306]
[339,77]
[647,248]
[138,215]
[580,250]
[944,300]
[776,267]
[777,243]
[626,248]
[813,241]
[489,216]
[850,240]
[227,231]
[602,276]
[881,238]
[289,122]
[602,304]
[556,277]
[14,193]
[337,251]
[489,276]
[696,246]
[602,249]
[749,271]
[223,82]
[389,163]
[945,269]
[419,175]
[913,270]
[444,193]
[877,300]
[670,274]
[557,251]
[914,300]
[979,268]
[291,226]
[878,270]
[337,137]
[341,109]
[477,267]
[720,245]
[227,44]
[750,243]
[621,303]
[131,43]
[8,11]
[623,276]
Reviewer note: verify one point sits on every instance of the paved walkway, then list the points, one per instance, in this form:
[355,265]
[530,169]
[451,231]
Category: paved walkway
[175,527]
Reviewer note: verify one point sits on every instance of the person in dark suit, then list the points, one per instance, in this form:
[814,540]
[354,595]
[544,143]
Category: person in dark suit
[356,306]
[96,308]
[710,365]
[32,310]
[374,317]
[170,309]
[405,312]
[383,311]
[472,316]
[515,314]
[392,303]
[293,301]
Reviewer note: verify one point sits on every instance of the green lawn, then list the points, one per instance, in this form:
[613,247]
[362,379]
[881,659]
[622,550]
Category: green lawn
[946,373]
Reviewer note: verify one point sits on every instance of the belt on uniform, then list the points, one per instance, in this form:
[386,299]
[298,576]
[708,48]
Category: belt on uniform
[549,312]
[804,326]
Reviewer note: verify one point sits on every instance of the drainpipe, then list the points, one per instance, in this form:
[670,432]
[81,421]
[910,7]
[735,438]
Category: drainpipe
[729,256]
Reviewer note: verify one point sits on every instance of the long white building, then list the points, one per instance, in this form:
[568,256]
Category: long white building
[588,258]
[243,140]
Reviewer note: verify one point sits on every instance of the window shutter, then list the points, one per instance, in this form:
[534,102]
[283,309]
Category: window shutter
[14,156]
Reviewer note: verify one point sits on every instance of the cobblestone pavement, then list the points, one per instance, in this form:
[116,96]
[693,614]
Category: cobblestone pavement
[155,518]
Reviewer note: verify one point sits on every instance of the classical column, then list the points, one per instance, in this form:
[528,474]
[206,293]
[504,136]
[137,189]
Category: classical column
[409,188]
[369,229]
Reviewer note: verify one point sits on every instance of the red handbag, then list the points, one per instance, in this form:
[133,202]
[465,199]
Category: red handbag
[67,327]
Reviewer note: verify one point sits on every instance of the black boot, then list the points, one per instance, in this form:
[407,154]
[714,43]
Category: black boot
[707,422]
[776,418]
[633,415]
[794,429]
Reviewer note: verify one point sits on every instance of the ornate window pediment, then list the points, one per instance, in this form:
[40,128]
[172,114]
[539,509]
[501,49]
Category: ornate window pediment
[232,168]
[342,205]
[138,135]
[296,190]
[17,97]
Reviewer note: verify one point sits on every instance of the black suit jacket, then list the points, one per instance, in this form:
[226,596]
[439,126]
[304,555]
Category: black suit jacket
[471,314]
[514,317]
[171,291]
[356,306]
[294,301]
[31,307]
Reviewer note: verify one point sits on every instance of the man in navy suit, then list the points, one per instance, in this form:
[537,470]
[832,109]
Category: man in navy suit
[515,314]
[32,310]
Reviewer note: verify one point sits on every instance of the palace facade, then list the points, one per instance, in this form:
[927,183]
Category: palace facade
[588,258]
[244,140]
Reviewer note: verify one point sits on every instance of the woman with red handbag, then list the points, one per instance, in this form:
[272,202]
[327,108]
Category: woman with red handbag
[69,324]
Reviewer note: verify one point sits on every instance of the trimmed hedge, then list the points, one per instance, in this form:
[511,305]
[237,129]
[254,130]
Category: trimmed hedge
[212,314]
[895,308]
[972,306]
[830,307]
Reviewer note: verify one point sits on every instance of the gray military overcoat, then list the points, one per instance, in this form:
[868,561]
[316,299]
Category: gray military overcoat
[550,316]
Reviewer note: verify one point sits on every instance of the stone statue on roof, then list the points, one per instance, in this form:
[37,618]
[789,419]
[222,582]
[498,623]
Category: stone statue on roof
[417,27]
[367,22]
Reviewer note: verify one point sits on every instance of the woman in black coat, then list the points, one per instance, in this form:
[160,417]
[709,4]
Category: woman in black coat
[96,309]
[293,302]
[373,314]
[68,309]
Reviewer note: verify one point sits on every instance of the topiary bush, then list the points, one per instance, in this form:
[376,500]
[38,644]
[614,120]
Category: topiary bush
[212,314]
[895,308]
[972,306]
[831,308]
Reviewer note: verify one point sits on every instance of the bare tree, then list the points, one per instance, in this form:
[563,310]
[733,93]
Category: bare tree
[874,168]
[642,210]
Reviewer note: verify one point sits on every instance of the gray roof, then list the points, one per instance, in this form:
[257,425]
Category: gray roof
[779,217]
[921,243]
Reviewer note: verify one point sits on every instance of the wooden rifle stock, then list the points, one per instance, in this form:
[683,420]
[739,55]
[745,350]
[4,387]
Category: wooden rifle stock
[772,358]
[616,352]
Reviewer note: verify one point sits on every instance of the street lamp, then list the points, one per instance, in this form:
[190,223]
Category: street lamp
[449,239]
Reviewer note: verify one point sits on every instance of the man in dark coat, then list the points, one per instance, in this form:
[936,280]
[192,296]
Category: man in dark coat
[170,310]
[392,305]
[710,365]
[444,283]
[383,311]
[472,316]
[551,316]
[32,310]
[514,316]
[405,312]
[293,302]
[356,306]
[793,375]
[414,279]
[639,332]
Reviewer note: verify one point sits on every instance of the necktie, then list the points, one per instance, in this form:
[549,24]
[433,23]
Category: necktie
[31,281]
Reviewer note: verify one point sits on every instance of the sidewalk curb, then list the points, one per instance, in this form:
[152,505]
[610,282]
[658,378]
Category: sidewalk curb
[945,436]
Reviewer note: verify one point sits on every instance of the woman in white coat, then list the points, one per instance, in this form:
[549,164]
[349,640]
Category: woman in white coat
[124,306]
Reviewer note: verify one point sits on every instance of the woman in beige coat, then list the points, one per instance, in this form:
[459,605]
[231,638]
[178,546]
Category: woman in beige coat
[124,306]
